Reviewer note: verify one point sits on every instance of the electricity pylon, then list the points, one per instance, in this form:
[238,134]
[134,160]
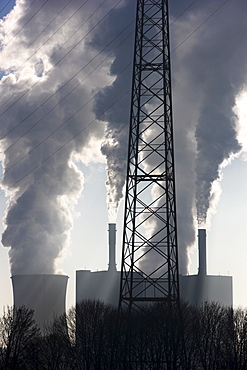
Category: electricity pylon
[149,270]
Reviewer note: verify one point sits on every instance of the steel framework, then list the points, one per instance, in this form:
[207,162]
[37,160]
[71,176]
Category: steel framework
[149,257]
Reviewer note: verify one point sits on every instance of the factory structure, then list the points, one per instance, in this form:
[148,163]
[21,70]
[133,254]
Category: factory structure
[151,140]
[50,302]
[194,289]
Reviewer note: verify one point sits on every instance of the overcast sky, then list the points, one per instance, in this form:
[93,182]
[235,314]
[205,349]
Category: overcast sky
[65,71]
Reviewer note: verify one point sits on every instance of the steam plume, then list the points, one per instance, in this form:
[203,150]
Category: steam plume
[115,145]
[215,62]
[208,71]
[40,174]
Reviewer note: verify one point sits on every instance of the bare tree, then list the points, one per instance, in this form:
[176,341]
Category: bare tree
[18,334]
[239,340]
[56,346]
[94,333]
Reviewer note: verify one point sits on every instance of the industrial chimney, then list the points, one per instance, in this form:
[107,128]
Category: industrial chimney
[45,294]
[112,247]
[202,252]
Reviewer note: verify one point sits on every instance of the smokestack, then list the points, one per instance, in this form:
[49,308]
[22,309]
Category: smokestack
[112,247]
[202,252]
[45,294]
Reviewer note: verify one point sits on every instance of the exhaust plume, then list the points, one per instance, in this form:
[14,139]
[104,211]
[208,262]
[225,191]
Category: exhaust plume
[208,68]
[214,59]
[43,125]
[115,145]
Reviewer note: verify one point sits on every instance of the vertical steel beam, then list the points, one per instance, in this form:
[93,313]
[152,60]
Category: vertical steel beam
[149,269]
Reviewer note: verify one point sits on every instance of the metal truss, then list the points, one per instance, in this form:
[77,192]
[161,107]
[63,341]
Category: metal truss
[149,257]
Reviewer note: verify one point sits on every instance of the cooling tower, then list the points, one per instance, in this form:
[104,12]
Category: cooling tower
[45,294]
[112,247]
[202,252]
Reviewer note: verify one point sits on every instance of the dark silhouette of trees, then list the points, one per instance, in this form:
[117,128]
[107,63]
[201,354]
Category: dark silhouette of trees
[90,337]
[238,340]
[94,327]
[55,346]
[18,338]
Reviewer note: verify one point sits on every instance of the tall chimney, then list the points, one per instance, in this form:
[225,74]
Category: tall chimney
[202,252]
[112,247]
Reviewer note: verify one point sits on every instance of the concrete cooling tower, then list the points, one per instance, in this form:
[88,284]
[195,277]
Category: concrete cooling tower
[45,294]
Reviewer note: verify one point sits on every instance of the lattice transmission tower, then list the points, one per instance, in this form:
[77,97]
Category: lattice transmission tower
[150,254]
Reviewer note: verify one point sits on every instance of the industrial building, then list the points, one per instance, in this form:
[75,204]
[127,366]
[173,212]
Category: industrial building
[194,289]
[151,143]
[49,303]
[103,285]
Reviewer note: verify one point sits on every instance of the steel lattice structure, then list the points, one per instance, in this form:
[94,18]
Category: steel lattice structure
[149,256]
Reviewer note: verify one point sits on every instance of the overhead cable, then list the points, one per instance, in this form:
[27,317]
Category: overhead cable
[74,88]
[6,79]
[26,23]
[70,140]
[98,117]
[49,70]
[5,6]
[192,33]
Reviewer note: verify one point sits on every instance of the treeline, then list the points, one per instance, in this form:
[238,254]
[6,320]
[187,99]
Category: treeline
[209,337]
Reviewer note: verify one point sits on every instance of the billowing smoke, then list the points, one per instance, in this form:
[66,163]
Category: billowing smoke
[49,118]
[115,145]
[215,61]
[209,70]
[47,87]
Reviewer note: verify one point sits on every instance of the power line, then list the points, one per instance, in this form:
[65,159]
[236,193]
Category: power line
[43,45]
[103,49]
[26,23]
[63,124]
[6,79]
[71,92]
[74,46]
[180,15]
[69,141]
[65,85]
[60,60]
[199,26]
[98,116]
[25,11]
[5,6]
[65,6]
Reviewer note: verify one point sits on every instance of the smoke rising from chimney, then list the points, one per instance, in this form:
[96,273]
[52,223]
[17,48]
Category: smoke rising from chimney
[214,59]
[40,122]
[208,70]
[115,145]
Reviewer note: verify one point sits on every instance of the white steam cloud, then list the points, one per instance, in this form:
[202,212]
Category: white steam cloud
[209,71]
[215,62]
[46,118]
[43,110]
[115,145]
